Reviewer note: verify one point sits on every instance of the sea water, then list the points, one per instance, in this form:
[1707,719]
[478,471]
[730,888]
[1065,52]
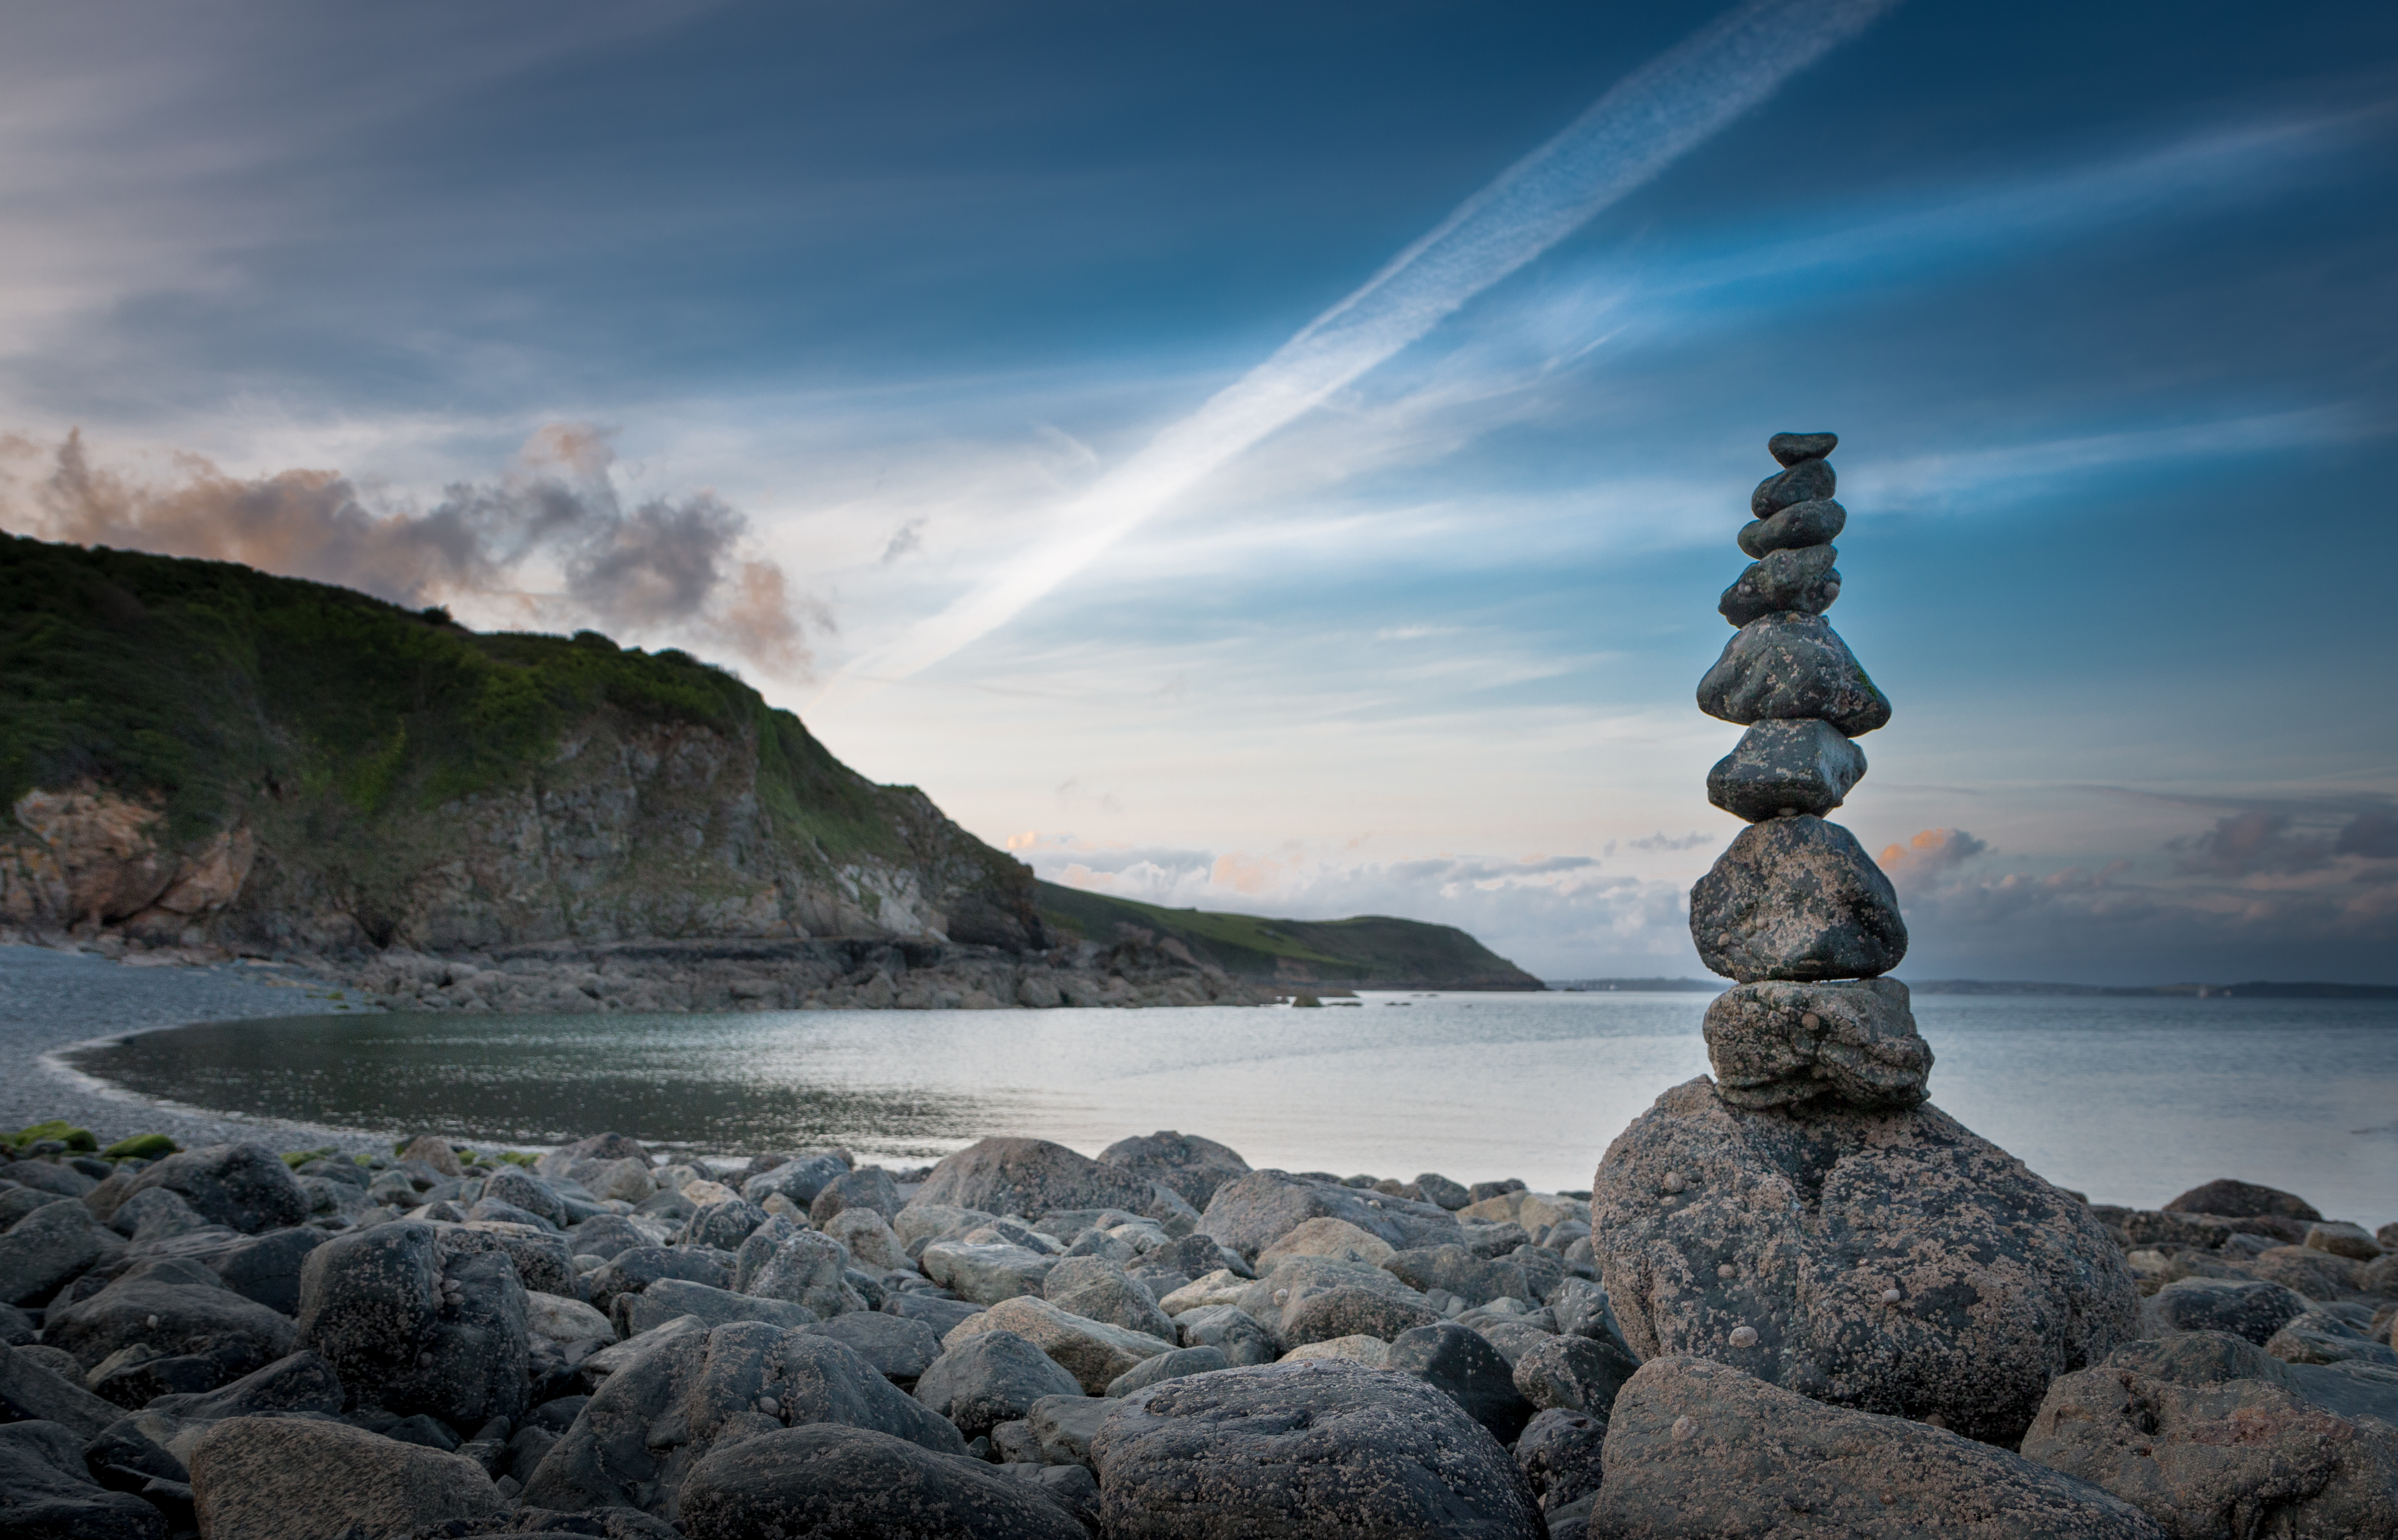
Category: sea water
[2129,1100]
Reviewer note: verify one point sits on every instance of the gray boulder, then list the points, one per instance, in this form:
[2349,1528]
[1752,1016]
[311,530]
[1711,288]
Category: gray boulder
[1350,1311]
[799,1179]
[543,1264]
[244,1186]
[1169,1366]
[672,1299]
[635,1267]
[1033,1176]
[867,1187]
[1456,1361]
[1788,665]
[1775,1044]
[985,1274]
[1816,523]
[32,1391]
[900,1350]
[1098,1289]
[1783,768]
[1808,480]
[1229,1330]
[1062,1427]
[175,1309]
[1093,1352]
[1885,1260]
[723,1224]
[2231,1198]
[286,1478]
[2212,1437]
[410,1329]
[605,1235]
[989,1378]
[649,1422]
[154,1215]
[1800,578]
[1698,1450]
[1305,1450]
[519,1189]
[1251,1212]
[300,1384]
[50,1247]
[2322,1337]
[1475,1279]
[941,1313]
[804,1267]
[2342,1239]
[1559,1452]
[1574,1374]
[2245,1308]
[1191,1166]
[831,1481]
[1797,898]
[47,1493]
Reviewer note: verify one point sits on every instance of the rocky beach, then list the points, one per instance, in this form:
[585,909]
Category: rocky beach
[1798,1299]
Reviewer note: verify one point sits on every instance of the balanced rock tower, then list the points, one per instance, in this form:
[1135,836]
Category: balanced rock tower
[1807,1216]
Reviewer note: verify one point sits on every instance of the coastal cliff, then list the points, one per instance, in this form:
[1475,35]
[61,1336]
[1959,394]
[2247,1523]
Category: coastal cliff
[197,754]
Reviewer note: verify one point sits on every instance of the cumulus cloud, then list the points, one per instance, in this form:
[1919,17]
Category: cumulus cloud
[1923,861]
[681,568]
[2255,841]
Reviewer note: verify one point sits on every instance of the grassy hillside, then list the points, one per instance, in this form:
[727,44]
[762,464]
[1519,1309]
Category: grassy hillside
[335,726]
[1372,950]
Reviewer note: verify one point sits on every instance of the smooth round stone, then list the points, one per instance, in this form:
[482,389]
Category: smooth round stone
[1853,1044]
[1790,448]
[1784,665]
[1797,898]
[1805,482]
[1800,578]
[1783,768]
[1812,523]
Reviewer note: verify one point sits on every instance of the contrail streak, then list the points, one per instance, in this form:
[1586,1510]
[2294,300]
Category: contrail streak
[1649,120]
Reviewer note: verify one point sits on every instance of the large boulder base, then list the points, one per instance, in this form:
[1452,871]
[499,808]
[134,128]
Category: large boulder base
[1889,1261]
[1698,1451]
[1315,1449]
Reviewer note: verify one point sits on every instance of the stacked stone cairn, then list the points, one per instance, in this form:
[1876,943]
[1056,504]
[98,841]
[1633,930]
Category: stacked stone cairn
[1806,1216]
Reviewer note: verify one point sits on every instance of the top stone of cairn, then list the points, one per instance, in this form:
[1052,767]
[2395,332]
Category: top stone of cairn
[1791,448]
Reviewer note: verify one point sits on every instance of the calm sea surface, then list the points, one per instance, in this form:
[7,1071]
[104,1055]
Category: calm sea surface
[2130,1101]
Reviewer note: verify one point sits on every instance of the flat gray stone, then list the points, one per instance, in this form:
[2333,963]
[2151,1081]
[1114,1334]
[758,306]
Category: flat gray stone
[1805,481]
[830,1480]
[1795,528]
[1800,578]
[1797,898]
[289,1479]
[1775,1044]
[1788,449]
[1786,665]
[1784,767]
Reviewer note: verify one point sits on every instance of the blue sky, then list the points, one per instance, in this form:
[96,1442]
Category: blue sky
[827,322]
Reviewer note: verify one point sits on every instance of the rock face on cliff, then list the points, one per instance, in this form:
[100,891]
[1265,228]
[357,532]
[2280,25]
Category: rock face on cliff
[1807,1217]
[195,753]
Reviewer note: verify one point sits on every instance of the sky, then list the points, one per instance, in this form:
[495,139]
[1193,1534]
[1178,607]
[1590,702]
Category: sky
[1285,459]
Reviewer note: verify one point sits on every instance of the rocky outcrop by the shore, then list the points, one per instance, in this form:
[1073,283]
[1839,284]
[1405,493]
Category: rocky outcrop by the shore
[1025,1341]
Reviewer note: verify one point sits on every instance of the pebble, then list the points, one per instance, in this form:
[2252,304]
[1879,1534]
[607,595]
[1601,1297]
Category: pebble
[1743,1336]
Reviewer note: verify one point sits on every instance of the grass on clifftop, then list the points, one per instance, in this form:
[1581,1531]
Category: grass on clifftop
[1369,950]
[201,683]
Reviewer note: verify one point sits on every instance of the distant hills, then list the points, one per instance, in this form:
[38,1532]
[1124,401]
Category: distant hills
[2258,990]
[1371,951]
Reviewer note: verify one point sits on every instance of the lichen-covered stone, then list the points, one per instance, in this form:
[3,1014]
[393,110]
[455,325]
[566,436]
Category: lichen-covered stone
[830,1480]
[1698,1451]
[1784,666]
[1800,525]
[2214,1437]
[1773,1043]
[1784,767]
[1889,1261]
[1797,898]
[1800,578]
[1191,1166]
